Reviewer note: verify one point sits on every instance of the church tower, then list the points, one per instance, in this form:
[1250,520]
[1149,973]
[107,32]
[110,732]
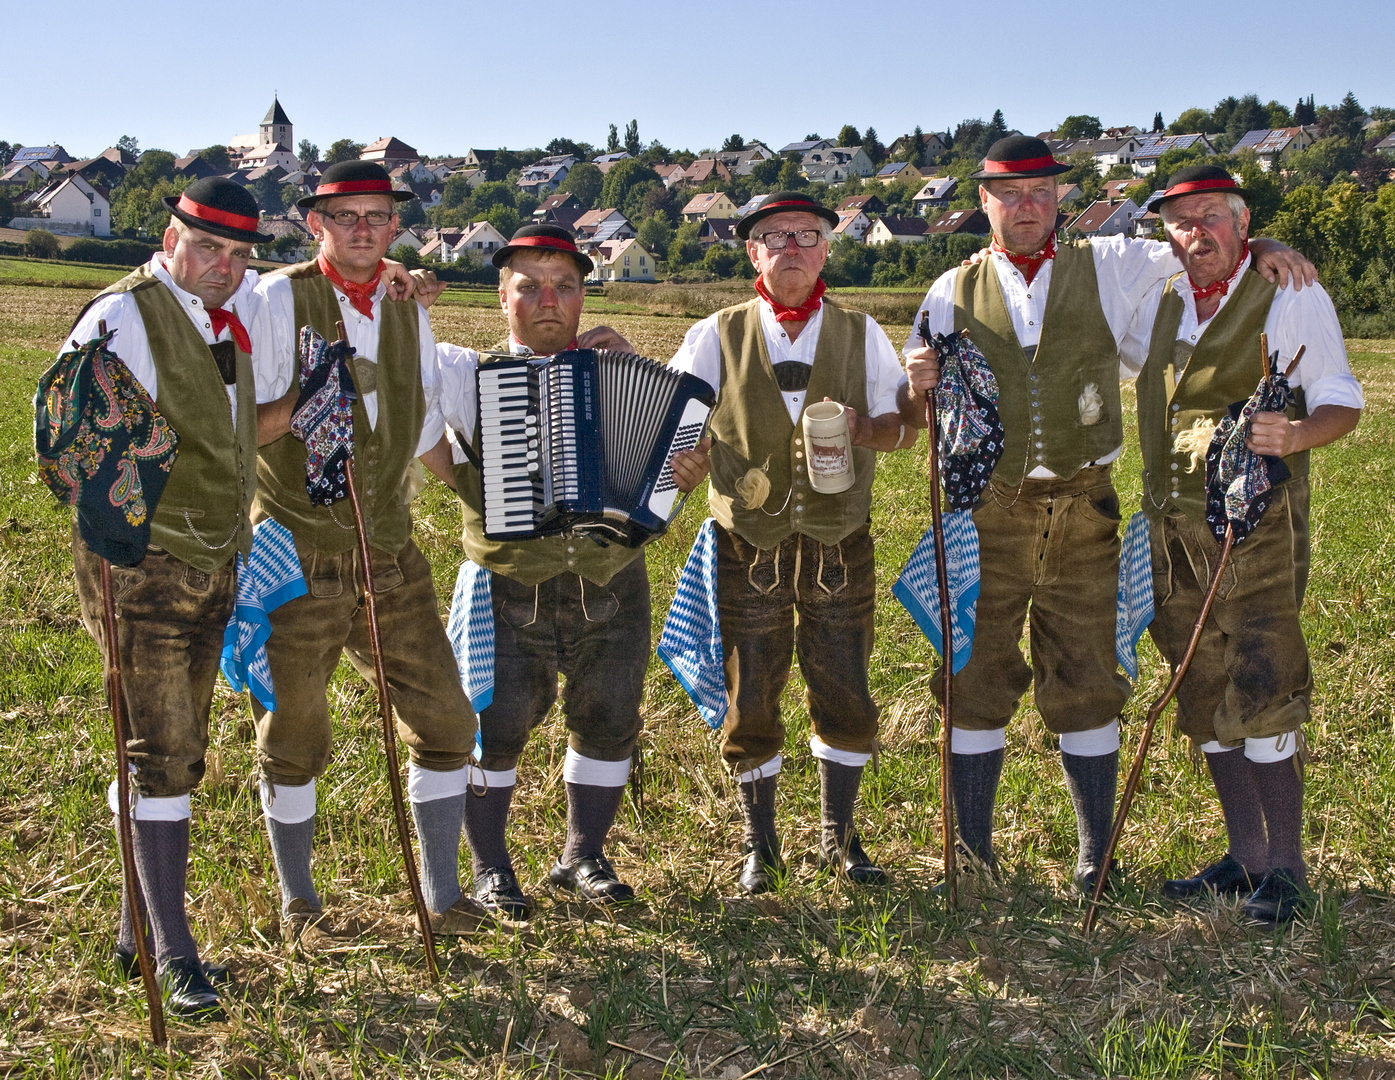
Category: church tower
[276,127]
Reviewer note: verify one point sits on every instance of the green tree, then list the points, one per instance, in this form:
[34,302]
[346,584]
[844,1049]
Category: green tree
[584,181]
[1266,193]
[722,260]
[1081,127]
[632,144]
[1193,120]
[1278,115]
[7,210]
[997,127]
[154,165]
[343,150]
[1343,223]
[873,146]
[456,192]
[1344,122]
[790,178]
[1323,161]
[849,136]
[612,142]
[493,193]
[7,152]
[1296,223]
[129,144]
[733,143]
[267,192]
[407,255]
[411,213]
[622,177]
[1157,123]
[217,156]
[504,218]
[684,249]
[766,173]
[307,152]
[1244,115]
[1305,112]
[655,232]
[40,244]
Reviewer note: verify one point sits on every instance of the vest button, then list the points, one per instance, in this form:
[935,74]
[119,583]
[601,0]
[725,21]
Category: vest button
[799,507]
[799,453]
[1036,431]
[1174,466]
[1175,406]
[1038,446]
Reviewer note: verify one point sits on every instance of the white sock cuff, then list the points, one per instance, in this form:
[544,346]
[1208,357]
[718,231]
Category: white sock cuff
[824,752]
[1214,747]
[151,808]
[1277,748]
[1093,743]
[578,769]
[761,771]
[429,785]
[964,741]
[492,778]
[286,803]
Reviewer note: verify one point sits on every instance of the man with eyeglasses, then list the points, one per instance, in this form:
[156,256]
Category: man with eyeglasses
[1049,319]
[397,419]
[784,549]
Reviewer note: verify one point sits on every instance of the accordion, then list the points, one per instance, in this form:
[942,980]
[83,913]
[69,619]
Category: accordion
[580,442]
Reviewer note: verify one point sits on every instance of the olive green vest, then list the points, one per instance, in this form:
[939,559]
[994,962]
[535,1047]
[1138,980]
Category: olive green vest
[383,454]
[1223,368]
[751,428]
[1039,395]
[204,513]
[530,562]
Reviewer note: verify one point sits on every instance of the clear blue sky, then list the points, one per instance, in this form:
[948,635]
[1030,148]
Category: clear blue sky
[181,76]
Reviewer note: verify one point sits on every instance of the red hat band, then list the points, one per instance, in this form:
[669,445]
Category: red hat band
[355,187]
[1228,184]
[544,241]
[1021,165]
[217,217]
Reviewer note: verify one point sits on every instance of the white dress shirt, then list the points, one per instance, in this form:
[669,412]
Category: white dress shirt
[121,313]
[275,358]
[701,355]
[1296,317]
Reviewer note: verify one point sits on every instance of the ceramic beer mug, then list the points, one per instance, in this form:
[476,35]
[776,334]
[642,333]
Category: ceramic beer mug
[828,447]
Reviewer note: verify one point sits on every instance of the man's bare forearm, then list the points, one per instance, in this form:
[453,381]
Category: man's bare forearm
[274,418]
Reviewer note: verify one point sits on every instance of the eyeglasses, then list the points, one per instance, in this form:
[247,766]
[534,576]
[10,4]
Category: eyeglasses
[348,219]
[779,239]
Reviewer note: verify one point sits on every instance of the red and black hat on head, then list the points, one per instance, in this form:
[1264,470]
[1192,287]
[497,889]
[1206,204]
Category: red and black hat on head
[1197,180]
[784,202]
[218,206]
[1018,157]
[543,238]
[354,178]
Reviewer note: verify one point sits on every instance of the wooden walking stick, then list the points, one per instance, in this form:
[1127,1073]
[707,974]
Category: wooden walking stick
[133,899]
[389,733]
[1131,787]
[946,633]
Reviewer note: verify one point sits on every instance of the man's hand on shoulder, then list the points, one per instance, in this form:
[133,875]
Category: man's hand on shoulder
[404,284]
[691,466]
[1281,263]
[603,337]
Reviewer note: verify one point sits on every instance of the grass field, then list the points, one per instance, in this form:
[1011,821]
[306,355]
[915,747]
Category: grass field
[696,981]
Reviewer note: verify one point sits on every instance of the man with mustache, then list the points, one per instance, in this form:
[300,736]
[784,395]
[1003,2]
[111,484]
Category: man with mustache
[1048,319]
[1246,694]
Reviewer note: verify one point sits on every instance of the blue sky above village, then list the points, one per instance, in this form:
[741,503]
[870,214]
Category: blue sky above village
[447,77]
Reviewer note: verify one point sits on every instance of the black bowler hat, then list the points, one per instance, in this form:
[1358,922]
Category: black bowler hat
[784,202]
[545,238]
[1198,178]
[218,206]
[354,178]
[1018,157]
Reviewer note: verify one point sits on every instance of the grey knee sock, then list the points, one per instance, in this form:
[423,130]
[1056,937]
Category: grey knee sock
[591,811]
[438,831]
[758,808]
[162,862]
[1280,787]
[485,818]
[838,786]
[1092,782]
[290,847]
[126,935]
[975,781]
[1233,774]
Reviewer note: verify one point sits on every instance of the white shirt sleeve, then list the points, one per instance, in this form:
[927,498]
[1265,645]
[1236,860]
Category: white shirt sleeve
[273,338]
[121,314]
[1133,347]
[1306,317]
[701,353]
[433,424]
[1127,271]
[939,306]
[884,373]
[455,372]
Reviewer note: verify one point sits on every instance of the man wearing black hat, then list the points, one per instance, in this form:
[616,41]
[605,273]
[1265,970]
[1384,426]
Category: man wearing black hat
[180,324]
[397,419]
[1245,696]
[1049,320]
[784,548]
[560,604]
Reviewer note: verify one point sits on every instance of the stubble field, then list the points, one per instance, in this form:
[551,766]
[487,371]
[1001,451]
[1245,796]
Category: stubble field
[695,981]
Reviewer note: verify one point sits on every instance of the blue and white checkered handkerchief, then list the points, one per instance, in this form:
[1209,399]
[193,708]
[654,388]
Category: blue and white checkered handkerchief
[691,644]
[1135,610]
[919,592]
[269,578]
[471,632]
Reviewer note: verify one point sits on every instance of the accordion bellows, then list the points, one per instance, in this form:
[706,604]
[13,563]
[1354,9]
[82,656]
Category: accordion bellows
[580,443]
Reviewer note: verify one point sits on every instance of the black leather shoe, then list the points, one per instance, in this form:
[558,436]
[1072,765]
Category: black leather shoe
[854,863]
[128,967]
[1278,899]
[761,872]
[1085,879]
[1224,878]
[498,890]
[592,878]
[187,992]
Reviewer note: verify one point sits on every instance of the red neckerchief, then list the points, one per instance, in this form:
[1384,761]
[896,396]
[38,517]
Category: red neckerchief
[513,341]
[361,296]
[803,312]
[1028,264]
[220,319]
[1221,287]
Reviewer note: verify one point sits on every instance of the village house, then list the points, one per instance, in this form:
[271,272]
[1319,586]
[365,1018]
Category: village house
[710,204]
[868,204]
[842,161]
[1106,217]
[622,260]
[597,226]
[1067,193]
[802,148]
[279,227]
[389,152]
[540,180]
[1106,152]
[853,223]
[408,238]
[272,155]
[274,130]
[481,239]
[971,222]
[68,205]
[560,208]
[704,170]
[1152,147]
[935,195]
[899,170]
[903,230]
[671,175]
[1274,146]
[719,231]
[932,145]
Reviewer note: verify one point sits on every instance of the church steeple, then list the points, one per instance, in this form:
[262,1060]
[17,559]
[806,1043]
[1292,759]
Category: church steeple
[276,127]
